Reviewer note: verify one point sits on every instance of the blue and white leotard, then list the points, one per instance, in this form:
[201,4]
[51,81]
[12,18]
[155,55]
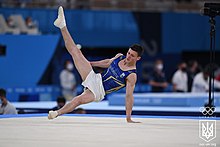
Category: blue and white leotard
[114,78]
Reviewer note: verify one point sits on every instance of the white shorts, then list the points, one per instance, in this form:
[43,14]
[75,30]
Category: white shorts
[94,83]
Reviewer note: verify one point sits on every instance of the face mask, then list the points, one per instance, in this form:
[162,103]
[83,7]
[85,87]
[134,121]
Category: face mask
[159,66]
[69,66]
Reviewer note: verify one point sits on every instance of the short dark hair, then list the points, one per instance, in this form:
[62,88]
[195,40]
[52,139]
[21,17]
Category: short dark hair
[139,49]
[2,92]
[61,99]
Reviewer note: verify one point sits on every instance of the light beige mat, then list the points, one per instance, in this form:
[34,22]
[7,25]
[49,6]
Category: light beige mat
[76,131]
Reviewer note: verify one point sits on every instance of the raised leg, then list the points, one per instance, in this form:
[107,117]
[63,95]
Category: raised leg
[82,64]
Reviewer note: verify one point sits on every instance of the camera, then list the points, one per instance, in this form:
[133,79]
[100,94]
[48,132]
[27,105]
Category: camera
[211,9]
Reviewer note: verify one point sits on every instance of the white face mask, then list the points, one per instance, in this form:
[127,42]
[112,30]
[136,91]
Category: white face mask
[69,66]
[159,66]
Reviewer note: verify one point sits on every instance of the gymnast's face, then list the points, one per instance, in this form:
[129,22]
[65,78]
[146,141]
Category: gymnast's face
[132,56]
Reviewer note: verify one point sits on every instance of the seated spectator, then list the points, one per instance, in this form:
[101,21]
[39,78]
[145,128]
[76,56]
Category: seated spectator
[6,106]
[180,79]
[11,26]
[79,111]
[10,22]
[201,81]
[29,23]
[192,70]
[157,79]
[61,101]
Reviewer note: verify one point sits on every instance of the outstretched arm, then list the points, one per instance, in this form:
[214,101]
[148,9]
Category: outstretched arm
[104,63]
[130,84]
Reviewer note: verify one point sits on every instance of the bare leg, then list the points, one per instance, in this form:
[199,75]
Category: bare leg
[82,64]
[86,97]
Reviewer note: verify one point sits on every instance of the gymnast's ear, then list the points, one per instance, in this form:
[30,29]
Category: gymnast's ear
[138,58]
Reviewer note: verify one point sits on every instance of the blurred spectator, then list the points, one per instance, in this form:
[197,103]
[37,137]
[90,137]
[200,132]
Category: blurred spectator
[61,101]
[179,79]
[10,22]
[79,111]
[157,79]
[217,74]
[192,70]
[68,81]
[201,81]
[29,23]
[64,3]
[6,106]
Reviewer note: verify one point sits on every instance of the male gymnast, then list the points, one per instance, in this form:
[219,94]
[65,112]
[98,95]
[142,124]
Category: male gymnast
[120,71]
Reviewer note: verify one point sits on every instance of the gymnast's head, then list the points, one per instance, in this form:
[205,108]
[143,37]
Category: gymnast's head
[134,53]
[137,48]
